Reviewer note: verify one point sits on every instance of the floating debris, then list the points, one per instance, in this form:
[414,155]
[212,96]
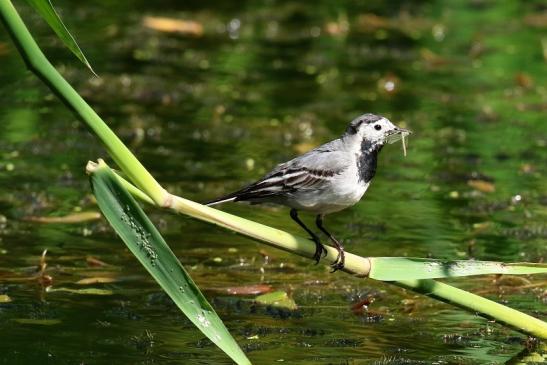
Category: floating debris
[70,218]
[249,289]
[171,25]
[96,280]
[87,291]
[278,299]
[44,279]
[4,298]
[482,186]
[93,261]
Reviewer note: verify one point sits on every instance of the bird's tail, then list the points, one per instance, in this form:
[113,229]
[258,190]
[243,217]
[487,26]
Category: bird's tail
[248,193]
[225,198]
[220,200]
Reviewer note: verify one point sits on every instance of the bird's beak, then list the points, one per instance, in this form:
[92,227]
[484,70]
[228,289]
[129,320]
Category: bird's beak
[396,134]
[404,131]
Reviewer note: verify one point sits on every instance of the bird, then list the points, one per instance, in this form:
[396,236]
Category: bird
[327,179]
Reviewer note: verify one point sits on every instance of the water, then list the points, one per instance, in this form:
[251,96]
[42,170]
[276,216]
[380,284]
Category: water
[207,114]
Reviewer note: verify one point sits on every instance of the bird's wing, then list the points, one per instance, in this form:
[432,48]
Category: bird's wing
[310,171]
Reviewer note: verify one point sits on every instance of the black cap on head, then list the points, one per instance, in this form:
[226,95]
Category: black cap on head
[365,118]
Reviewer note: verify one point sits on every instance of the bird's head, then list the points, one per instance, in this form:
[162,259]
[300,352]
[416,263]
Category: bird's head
[374,129]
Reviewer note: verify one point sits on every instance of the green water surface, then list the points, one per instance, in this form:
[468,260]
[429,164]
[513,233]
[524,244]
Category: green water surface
[257,84]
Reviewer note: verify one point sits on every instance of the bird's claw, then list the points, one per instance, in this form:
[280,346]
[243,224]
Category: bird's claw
[340,261]
[320,251]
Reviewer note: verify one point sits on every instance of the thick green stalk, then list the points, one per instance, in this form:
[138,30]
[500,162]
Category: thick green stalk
[39,64]
[475,303]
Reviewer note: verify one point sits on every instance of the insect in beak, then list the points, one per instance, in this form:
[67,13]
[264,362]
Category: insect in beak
[397,134]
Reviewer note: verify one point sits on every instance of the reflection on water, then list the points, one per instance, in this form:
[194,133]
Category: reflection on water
[215,96]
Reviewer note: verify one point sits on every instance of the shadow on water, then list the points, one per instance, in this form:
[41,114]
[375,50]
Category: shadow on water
[249,85]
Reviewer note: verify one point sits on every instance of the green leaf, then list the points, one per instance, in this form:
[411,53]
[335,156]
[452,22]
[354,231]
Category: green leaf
[278,299]
[46,10]
[411,268]
[146,243]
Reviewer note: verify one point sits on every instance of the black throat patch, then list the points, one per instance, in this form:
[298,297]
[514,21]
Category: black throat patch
[366,164]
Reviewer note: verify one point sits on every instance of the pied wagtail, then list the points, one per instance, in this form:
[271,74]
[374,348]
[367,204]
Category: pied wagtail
[327,179]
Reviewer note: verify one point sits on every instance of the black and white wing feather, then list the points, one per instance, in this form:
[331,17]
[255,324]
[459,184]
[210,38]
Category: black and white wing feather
[314,170]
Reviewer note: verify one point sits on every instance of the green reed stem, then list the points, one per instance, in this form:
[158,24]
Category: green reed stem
[474,303]
[37,62]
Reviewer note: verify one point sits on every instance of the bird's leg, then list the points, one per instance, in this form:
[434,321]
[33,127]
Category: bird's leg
[319,249]
[338,264]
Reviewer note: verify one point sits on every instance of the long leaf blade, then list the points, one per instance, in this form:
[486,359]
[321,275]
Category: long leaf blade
[146,243]
[412,268]
[46,10]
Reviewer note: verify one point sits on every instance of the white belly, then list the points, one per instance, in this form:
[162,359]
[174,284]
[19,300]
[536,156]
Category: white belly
[340,195]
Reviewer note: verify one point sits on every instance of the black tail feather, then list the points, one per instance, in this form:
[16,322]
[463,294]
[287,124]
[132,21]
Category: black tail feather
[225,198]
[248,193]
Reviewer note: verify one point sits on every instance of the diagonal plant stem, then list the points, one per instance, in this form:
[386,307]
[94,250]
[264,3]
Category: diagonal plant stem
[37,62]
[148,186]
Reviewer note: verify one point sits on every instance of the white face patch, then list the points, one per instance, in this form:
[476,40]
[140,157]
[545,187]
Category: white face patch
[370,131]
[377,132]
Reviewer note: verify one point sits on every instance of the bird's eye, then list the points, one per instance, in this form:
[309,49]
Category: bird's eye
[378,127]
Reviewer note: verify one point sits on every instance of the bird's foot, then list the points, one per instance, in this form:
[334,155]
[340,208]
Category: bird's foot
[340,261]
[320,250]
